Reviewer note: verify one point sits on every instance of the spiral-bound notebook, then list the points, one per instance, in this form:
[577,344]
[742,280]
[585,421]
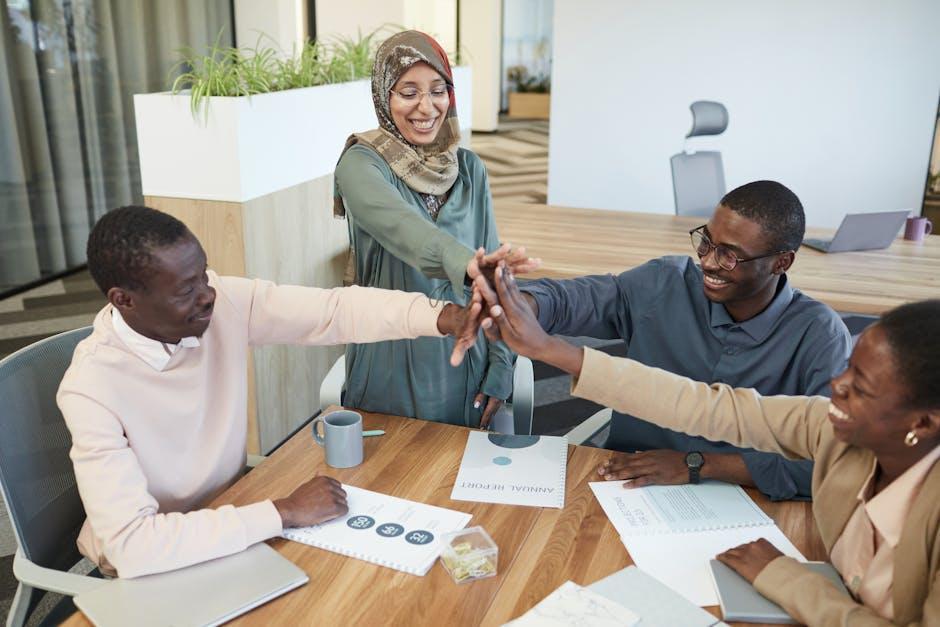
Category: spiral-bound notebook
[671,532]
[513,470]
[384,530]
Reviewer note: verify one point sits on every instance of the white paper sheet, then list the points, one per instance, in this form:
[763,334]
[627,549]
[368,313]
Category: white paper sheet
[385,530]
[513,470]
[677,509]
[571,605]
[680,561]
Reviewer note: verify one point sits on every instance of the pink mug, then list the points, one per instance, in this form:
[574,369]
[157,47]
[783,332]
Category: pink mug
[917,228]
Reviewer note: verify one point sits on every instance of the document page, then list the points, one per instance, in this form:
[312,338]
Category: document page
[677,509]
[681,562]
[513,470]
[572,604]
[386,530]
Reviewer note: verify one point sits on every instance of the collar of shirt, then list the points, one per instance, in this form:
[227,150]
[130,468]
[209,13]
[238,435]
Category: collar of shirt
[156,354]
[888,509]
[760,326]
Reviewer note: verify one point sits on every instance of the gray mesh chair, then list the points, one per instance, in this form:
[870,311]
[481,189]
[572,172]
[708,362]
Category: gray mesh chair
[698,178]
[36,475]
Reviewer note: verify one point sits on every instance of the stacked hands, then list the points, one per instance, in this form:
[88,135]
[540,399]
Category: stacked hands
[510,316]
[464,324]
[505,314]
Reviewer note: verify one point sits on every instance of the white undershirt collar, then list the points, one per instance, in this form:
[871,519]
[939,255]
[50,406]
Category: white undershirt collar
[156,354]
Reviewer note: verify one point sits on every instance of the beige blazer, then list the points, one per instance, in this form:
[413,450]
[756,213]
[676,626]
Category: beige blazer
[796,427]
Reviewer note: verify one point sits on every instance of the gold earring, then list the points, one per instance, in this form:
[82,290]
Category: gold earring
[911,438]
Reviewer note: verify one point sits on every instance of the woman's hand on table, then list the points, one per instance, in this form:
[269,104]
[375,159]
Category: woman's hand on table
[748,560]
[316,501]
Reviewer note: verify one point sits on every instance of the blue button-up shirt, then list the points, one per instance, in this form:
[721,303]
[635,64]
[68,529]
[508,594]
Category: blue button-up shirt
[793,347]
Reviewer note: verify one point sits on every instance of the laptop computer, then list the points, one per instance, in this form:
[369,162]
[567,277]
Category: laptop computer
[862,231]
[741,602]
[210,593]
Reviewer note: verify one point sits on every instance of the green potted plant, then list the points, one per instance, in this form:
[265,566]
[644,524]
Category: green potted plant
[239,123]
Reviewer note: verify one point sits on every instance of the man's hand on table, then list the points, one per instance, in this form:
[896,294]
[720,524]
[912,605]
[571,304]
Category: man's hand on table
[659,467]
[667,467]
[748,560]
[316,501]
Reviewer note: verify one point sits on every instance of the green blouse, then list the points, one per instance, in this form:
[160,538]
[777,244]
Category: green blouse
[399,247]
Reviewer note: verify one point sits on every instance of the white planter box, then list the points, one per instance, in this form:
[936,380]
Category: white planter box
[252,146]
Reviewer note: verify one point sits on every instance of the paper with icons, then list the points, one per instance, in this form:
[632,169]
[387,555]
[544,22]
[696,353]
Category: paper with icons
[384,530]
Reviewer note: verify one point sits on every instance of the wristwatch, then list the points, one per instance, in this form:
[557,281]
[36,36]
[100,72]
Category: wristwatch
[694,461]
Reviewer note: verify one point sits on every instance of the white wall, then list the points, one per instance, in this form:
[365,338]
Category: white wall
[836,99]
[481,40]
[438,18]
[280,21]
[339,17]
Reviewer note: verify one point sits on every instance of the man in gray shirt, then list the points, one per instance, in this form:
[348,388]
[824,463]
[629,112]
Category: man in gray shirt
[734,319]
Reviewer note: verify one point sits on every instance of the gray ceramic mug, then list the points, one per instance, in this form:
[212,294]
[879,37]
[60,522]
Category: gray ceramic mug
[342,437]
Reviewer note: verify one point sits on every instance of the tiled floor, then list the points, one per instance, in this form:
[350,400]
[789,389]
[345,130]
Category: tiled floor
[516,158]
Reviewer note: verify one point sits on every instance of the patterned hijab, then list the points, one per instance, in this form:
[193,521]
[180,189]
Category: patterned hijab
[429,170]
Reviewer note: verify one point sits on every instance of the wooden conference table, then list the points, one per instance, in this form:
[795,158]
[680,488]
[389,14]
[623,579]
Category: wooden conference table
[539,549]
[575,242]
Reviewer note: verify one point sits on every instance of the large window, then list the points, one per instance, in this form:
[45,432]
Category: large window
[68,150]
[527,41]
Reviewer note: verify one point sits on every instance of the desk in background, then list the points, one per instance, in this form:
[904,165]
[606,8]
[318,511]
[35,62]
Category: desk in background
[539,549]
[575,242]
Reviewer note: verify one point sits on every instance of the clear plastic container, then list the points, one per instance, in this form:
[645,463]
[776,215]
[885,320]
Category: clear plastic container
[469,554]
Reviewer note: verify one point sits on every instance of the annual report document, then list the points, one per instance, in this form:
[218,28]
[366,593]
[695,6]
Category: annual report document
[385,530]
[677,508]
[513,470]
[672,532]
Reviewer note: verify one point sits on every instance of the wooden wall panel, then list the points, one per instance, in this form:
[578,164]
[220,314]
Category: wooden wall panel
[291,237]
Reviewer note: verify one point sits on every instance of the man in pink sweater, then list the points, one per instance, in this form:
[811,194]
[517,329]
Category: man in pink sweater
[155,398]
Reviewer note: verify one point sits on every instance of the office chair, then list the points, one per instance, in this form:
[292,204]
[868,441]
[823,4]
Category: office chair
[523,391]
[698,178]
[36,476]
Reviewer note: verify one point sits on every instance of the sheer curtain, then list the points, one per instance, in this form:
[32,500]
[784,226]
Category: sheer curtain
[68,144]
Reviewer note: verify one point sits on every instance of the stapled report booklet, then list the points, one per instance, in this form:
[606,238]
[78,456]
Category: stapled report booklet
[513,470]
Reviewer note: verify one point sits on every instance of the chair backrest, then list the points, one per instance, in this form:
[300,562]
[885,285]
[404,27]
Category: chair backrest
[708,118]
[698,182]
[36,474]
[523,395]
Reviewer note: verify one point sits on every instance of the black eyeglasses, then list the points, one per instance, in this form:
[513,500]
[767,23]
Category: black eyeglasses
[725,257]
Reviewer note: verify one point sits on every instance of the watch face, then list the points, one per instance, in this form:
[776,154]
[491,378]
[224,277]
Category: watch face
[694,460]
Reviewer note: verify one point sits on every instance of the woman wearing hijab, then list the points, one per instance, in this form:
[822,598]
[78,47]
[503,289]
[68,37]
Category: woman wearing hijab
[876,443]
[419,207]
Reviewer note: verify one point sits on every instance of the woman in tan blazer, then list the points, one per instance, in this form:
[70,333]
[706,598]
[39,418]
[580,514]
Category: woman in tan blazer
[875,445]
